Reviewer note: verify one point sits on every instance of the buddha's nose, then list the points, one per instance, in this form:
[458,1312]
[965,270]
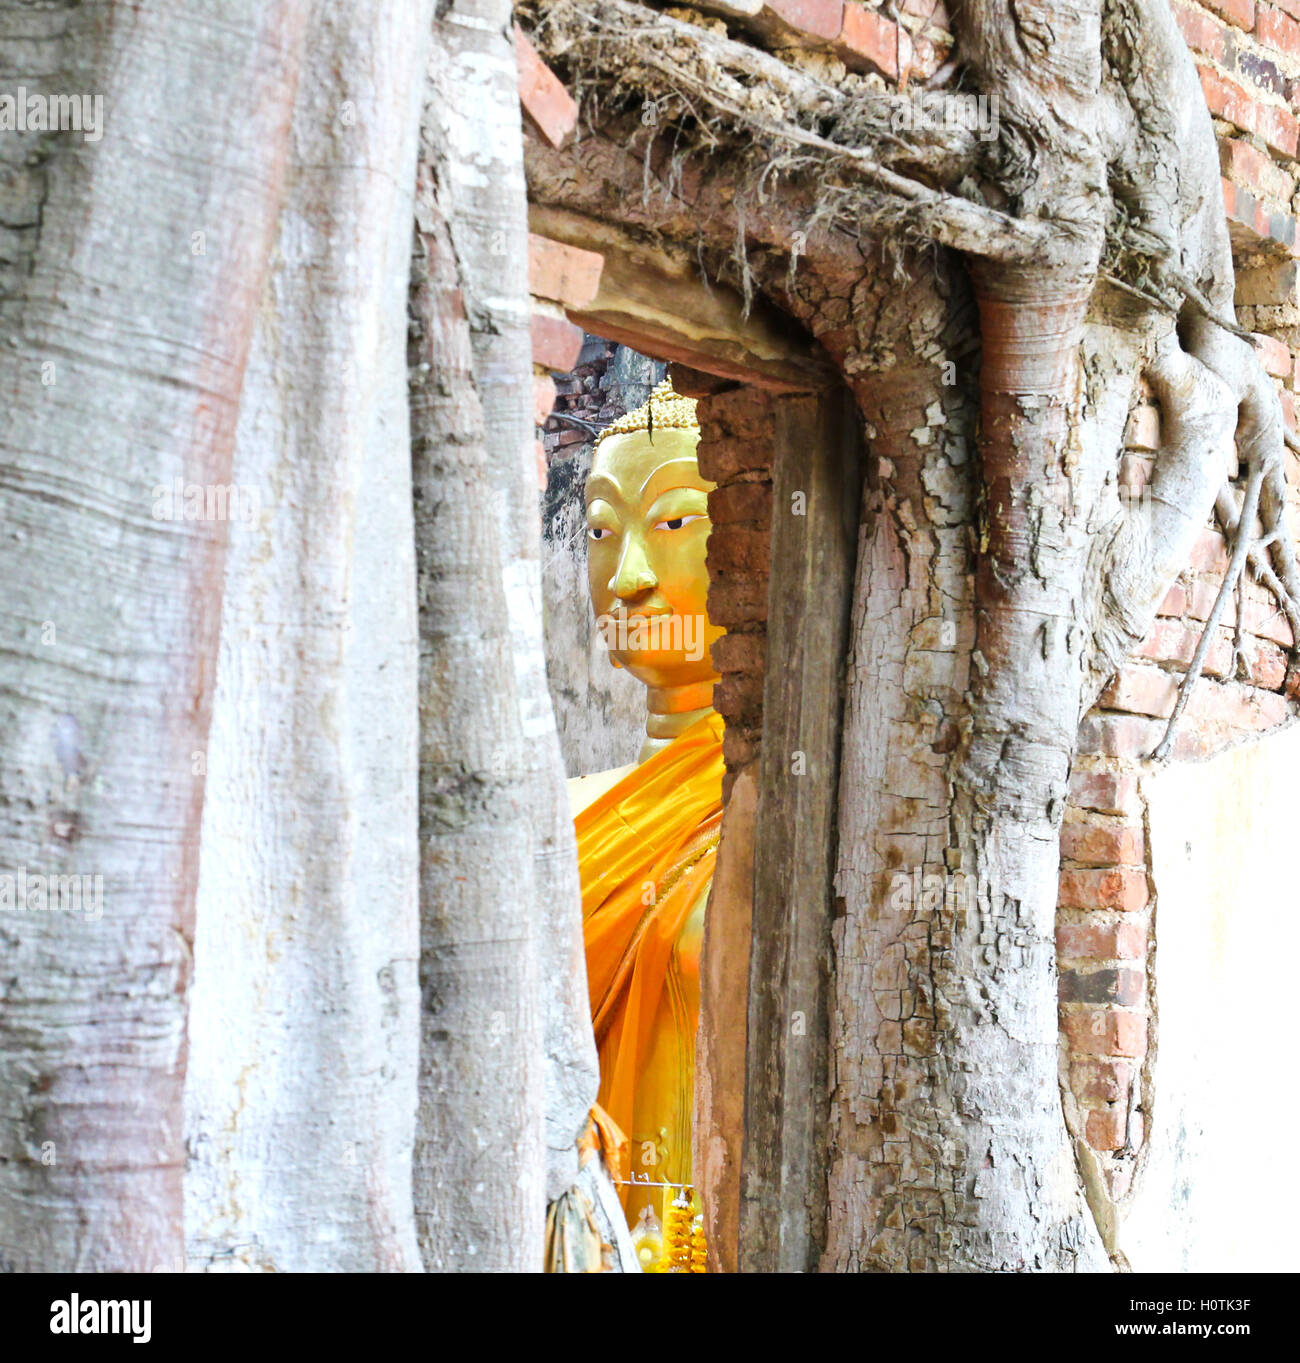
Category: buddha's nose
[634,575]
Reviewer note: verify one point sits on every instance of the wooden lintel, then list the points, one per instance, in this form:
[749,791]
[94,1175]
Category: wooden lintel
[656,302]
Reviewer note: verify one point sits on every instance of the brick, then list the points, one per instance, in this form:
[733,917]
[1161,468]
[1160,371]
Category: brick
[739,746]
[1237,707]
[870,41]
[1266,619]
[539,451]
[818,18]
[1238,12]
[1209,553]
[740,653]
[1247,165]
[556,342]
[1274,355]
[741,413]
[1105,1031]
[1267,285]
[1202,33]
[1142,691]
[739,697]
[1260,225]
[563,274]
[1107,1128]
[740,502]
[1122,941]
[1233,102]
[1278,31]
[1101,1081]
[1108,792]
[1267,665]
[1110,984]
[1119,735]
[1291,7]
[551,108]
[1200,601]
[543,398]
[1103,844]
[1264,72]
[1118,888]
[1175,641]
[737,600]
[737,548]
[724,459]
[1175,601]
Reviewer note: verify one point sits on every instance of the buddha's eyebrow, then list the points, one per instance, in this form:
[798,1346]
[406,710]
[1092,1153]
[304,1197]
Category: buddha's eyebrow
[681,459]
[599,486]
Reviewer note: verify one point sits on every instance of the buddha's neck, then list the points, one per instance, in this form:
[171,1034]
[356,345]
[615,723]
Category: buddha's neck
[671,710]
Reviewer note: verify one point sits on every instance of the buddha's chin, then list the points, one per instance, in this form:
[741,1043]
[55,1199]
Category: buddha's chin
[666,672]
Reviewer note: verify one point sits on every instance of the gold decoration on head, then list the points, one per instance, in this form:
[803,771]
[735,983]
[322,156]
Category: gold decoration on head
[664,409]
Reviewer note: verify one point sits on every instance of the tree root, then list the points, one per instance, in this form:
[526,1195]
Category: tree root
[1240,549]
[1269,551]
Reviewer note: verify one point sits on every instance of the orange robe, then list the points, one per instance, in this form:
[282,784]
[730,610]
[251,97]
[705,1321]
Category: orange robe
[646,851]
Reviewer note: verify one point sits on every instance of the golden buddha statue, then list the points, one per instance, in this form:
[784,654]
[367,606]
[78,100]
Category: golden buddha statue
[648,832]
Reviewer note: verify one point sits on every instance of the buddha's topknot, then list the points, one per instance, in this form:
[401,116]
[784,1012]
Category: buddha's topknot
[663,410]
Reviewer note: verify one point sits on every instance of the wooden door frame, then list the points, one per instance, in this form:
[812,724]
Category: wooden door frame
[761,1162]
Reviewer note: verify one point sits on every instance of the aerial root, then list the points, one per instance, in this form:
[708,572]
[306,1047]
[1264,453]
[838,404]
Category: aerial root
[1249,549]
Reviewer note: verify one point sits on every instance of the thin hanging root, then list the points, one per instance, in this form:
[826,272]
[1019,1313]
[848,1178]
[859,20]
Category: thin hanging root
[1240,551]
[1237,664]
[1277,545]
[1274,539]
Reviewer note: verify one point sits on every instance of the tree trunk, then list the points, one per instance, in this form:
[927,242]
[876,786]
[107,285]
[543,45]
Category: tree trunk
[134,269]
[302,1091]
[948,1146]
[481,1047]
[485,177]
[509,1064]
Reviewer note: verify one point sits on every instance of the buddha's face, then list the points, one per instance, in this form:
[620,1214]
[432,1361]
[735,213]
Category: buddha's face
[647,524]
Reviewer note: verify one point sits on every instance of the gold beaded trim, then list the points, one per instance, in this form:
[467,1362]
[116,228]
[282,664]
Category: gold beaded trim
[663,410]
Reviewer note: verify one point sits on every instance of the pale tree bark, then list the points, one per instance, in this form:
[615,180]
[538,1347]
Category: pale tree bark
[122,371]
[479,1160]
[1000,579]
[302,1090]
[508,1059]
[484,171]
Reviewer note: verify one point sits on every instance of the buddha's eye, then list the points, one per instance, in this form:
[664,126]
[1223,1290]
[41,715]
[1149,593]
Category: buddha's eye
[598,532]
[676,522]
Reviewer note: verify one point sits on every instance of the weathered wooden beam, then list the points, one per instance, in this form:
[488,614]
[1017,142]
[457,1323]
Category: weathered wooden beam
[817,490]
[655,301]
[720,1044]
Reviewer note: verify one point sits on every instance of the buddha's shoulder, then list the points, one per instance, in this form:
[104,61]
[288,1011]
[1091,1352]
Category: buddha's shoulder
[585,790]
